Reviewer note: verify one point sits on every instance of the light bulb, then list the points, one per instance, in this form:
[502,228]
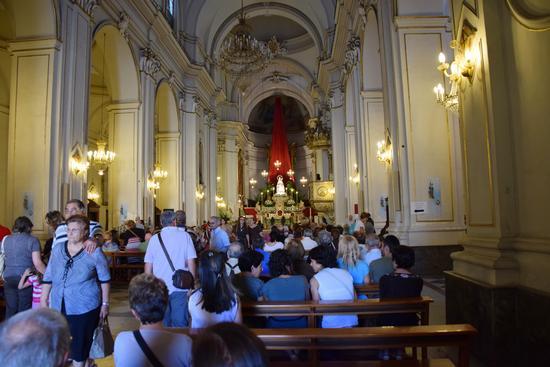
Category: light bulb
[454,68]
[441,58]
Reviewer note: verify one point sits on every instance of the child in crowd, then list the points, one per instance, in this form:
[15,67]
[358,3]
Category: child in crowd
[31,277]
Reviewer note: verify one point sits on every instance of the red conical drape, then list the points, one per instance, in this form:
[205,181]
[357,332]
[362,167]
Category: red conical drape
[279,145]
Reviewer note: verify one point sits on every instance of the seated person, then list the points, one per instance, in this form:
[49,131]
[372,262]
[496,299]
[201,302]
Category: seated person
[401,284]
[331,283]
[233,252]
[148,297]
[229,344]
[111,241]
[248,281]
[372,251]
[299,266]
[349,258]
[285,287]
[215,300]
[384,265]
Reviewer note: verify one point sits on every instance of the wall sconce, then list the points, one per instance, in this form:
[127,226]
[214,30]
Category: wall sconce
[252,182]
[384,151]
[303,181]
[277,164]
[355,177]
[92,193]
[218,198]
[199,193]
[77,164]
[462,66]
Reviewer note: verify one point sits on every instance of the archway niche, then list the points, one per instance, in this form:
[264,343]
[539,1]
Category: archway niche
[167,148]
[113,119]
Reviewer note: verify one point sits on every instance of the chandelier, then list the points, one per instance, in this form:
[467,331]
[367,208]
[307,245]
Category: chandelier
[159,173]
[101,158]
[384,150]
[303,181]
[241,53]
[277,164]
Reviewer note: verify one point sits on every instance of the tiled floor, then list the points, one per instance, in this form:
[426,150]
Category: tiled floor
[121,319]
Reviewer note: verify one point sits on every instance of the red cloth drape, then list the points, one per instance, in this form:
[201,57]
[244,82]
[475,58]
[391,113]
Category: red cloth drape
[279,145]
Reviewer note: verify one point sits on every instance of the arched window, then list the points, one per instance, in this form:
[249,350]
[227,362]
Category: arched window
[167,8]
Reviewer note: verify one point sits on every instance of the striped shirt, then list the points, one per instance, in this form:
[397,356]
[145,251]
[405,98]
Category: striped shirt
[36,289]
[61,232]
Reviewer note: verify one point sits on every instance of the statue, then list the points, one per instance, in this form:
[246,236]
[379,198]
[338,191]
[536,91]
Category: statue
[280,190]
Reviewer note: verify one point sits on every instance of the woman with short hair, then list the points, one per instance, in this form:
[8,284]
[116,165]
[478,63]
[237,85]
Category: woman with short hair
[72,277]
[297,252]
[148,298]
[216,300]
[22,251]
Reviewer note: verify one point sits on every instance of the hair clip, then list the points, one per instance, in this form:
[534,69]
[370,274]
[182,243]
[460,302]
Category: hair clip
[211,253]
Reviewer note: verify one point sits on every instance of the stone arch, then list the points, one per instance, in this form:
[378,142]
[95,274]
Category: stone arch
[166,110]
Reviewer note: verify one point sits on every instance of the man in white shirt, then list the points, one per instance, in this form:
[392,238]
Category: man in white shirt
[74,207]
[373,249]
[220,240]
[180,248]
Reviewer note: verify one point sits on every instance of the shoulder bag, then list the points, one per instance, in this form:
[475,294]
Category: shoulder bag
[146,350]
[181,279]
[2,257]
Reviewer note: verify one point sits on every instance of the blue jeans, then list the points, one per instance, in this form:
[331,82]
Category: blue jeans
[176,314]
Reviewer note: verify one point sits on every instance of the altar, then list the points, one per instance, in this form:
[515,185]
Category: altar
[281,204]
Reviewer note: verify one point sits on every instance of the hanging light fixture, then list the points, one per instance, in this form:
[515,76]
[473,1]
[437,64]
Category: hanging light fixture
[290,173]
[92,193]
[277,164]
[303,181]
[252,182]
[159,173]
[241,53]
[264,174]
[101,158]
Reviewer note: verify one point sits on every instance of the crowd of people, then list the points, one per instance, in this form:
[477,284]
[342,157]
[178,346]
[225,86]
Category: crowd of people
[193,277]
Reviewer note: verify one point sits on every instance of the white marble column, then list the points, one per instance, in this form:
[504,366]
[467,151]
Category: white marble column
[149,65]
[339,155]
[77,43]
[190,149]
[34,128]
[229,171]
[212,165]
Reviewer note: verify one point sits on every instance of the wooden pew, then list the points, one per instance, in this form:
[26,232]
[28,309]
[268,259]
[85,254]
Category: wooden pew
[126,269]
[315,340]
[369,290]
[313,309]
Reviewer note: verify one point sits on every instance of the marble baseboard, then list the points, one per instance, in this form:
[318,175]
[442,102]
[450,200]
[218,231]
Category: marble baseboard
[434,260]
[513,323]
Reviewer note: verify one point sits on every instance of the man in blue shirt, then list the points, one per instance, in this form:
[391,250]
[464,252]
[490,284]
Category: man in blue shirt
[219,240]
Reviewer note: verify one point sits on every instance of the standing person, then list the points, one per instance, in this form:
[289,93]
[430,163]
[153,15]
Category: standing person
[148,298]
[254,232]
[220,240]
[4,231]
[180,248]
[22,251]
[32,278]
[53,220]
[331,283]
[76,207]
[241,231]
[79,283]
[215,301]
[384,265]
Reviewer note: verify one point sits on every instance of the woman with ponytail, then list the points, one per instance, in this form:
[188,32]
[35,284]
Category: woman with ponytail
[215,301]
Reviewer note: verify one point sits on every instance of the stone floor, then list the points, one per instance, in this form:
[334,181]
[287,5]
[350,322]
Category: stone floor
[120,318]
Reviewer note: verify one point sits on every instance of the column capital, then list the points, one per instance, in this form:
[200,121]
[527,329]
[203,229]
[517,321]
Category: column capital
[122,24]
[87,6]
[353,53]
[149,62]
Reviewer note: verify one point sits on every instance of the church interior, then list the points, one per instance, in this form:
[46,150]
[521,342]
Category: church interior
[431,115]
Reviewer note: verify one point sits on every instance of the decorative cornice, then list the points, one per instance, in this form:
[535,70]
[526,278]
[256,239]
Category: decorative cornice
[149,62]
[87,5]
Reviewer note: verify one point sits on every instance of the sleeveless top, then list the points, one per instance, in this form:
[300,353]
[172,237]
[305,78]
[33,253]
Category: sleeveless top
[336,284]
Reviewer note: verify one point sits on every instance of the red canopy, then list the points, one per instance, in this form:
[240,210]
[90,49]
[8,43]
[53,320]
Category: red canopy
[279,145]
